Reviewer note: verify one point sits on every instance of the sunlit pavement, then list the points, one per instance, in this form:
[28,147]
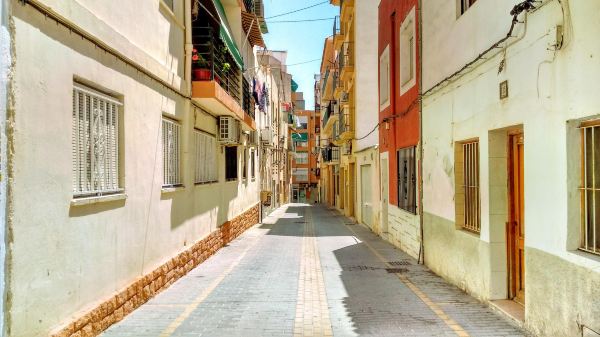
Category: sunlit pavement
[306,271]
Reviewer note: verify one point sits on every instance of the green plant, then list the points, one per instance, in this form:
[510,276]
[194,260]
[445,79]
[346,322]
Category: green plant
[226,67]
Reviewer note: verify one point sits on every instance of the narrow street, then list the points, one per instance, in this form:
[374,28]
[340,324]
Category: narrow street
[306,271]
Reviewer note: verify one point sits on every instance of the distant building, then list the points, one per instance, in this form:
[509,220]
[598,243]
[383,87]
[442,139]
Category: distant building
[305,168]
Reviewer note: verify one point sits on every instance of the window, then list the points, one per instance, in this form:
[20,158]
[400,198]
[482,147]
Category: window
[470,182]
[407,180]
[301,157]
[590,188]
[302,122]
[301,174]
[465,4]
[384,78]
[252,164]
[206,158]
[171,133]
[407,53]
[301,144]
[95,143]
[245,164]
[231,163]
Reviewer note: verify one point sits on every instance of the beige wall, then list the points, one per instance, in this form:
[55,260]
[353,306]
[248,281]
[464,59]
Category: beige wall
[67,258]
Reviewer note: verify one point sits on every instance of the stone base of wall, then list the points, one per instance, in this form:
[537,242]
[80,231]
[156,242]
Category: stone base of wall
[139,292]
[404,230]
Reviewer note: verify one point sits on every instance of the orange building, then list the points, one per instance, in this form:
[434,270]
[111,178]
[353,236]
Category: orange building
[305,159]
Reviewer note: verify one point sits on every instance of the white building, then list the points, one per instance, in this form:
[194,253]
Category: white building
[122,177]
[509,165]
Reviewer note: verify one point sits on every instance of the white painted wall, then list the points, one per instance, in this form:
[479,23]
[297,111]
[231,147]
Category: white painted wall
[65,259]
[366,75]
[5,63]
[546,90]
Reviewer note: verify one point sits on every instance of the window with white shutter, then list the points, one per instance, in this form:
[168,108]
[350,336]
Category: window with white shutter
[95,143]
[171,139]
[206,158]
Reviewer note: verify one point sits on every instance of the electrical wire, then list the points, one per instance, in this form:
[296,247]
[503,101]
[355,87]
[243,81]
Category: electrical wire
[302,20]
[297,10]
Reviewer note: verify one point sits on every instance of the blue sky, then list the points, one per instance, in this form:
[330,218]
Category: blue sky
[302,40]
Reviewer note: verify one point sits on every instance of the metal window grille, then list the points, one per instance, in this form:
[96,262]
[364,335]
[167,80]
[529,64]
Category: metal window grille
[590,189]
[95,143]
[171,133]
[245,164]
[472,214]
[301,174]
[206,158]
[252,164]
[407,180]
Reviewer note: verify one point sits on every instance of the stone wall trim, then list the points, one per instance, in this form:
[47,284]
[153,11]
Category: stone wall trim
[146,287]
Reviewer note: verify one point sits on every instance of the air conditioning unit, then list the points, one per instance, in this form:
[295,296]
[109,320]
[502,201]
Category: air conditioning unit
[229,130]
[266,136]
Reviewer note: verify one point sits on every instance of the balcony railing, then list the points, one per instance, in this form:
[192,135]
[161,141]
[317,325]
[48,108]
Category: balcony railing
[345,120]
[346,55]
[248,100]
[336,81]
[325,78]
[337,26]
[331,154]
[215,62]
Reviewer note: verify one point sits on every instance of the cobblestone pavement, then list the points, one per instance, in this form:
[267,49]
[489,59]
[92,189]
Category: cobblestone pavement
[305,272]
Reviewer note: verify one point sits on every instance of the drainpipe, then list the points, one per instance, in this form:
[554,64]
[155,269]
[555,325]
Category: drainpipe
[420,105]
[189,46]
[5,69]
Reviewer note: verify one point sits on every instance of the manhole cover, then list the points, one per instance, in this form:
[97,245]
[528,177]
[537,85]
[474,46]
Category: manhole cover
[399,263]
[396,270]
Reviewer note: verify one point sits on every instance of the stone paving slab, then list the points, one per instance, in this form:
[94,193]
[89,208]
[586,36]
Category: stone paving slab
[303,272]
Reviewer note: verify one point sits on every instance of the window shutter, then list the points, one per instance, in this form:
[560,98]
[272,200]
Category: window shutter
[171,153]
[95,143]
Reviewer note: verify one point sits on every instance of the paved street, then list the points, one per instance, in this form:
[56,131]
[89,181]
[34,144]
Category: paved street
[306,272]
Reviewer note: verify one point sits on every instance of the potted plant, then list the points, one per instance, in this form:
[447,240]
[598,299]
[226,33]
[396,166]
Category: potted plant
[201,69]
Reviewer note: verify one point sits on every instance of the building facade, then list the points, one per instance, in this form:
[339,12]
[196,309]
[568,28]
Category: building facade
[305,164]
[136,140]
[399,124]
[510,112]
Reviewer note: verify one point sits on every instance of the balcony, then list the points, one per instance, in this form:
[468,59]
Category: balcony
[346,61]
[346,9]
[331,155]
[346,124]
[338,36]
[332,118]
[217,78]
[337,85]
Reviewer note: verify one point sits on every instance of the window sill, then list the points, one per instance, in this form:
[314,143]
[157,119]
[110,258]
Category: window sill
[231,180]
[469,233]
[98,199]
[172,189]
[207,183]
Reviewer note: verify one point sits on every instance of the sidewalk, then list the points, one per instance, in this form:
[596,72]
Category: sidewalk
[303,272]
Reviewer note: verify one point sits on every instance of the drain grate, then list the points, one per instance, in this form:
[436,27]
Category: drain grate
[396,270]
[359,268]
[399,263]
[349,223]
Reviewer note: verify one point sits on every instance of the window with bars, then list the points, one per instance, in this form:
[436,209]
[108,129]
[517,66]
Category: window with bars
[245,164]
[231,163]
[407,180]
[171,140]
[301,174]
[590,188]
[470,186]
[95,143]
[252,164]
[206,158]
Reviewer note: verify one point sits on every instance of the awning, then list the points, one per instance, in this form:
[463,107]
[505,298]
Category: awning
[300,137]
[252,28]
[225,33]
[294,86]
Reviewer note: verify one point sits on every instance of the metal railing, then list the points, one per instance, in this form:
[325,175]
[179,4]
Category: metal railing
[337,26]
[248,99]
[325,78]
[331,154]
[345,119]
[346,55]
[215,62]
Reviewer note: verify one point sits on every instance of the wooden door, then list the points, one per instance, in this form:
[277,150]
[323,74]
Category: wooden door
[516,228]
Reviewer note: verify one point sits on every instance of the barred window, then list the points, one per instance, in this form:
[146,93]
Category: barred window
[590,188]
[245,164]
[470,156]
[95,143]
[301,174]
[206,158]
[407,181]
[253,164]
[171,139]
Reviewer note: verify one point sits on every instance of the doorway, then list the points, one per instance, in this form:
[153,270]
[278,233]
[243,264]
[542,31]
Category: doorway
[516,224]
[384,195]
[365,195]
